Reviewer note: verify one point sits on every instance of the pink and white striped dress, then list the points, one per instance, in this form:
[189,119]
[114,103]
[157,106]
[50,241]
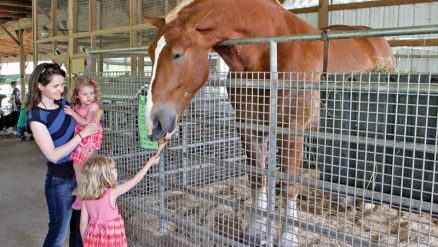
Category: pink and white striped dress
[89,144]
[105,227]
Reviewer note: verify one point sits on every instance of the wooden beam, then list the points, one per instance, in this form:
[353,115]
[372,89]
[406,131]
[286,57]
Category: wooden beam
[361,5]
[13,15]
[413,42]
[19,3]
[133,13]
[35,31]
[15,9]
[22,52]
[91,60]
[9,33]
[323,13]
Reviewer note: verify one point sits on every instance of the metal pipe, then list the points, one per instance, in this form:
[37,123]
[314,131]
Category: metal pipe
[400,31]
[272,140]
[353,86]
[118,50]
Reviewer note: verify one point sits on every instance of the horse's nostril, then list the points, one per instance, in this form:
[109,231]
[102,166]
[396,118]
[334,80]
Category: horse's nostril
[157,125]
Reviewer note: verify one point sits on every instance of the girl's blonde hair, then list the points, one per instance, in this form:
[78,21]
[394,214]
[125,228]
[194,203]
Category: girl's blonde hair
[84,81]
[97,176]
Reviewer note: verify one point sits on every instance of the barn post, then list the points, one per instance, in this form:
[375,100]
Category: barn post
[272,140]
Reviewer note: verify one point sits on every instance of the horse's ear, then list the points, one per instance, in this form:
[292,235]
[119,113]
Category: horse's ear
[196,21]
[155,21]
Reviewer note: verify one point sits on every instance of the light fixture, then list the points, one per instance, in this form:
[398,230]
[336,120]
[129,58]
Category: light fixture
[57,52]
[82,49]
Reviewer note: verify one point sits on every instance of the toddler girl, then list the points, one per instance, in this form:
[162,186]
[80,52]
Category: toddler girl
[101,223]
[86,108]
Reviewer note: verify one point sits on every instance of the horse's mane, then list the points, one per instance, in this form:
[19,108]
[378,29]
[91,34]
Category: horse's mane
[345,28]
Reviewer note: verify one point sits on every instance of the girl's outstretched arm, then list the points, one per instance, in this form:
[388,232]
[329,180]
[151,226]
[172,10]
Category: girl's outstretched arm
[126,186]
[84,220]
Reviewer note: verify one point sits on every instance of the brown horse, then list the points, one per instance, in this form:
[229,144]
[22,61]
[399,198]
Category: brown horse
[179,54]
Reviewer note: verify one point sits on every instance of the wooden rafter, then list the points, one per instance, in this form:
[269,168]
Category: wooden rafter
[18,3]
[15,9]
[13,15]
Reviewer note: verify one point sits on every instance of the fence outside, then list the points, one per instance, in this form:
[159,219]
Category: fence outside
[368,174]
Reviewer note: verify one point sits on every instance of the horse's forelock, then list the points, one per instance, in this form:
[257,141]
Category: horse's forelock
[173,14]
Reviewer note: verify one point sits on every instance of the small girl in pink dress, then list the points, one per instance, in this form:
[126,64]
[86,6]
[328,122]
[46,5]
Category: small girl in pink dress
[101,223]
[86,108]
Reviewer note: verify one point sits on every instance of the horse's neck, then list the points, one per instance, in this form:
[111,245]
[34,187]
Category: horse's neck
[256,57]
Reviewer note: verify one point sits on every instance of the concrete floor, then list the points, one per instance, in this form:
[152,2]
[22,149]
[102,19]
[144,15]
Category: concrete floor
[23,214]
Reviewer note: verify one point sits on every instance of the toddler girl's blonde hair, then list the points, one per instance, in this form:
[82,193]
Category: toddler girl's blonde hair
[84,81]
[97,176]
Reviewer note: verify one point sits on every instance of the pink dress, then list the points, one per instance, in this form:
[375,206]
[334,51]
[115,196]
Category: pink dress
[89,144]
[105,227]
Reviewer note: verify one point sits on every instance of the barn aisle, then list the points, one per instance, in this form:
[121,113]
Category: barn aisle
[24,212]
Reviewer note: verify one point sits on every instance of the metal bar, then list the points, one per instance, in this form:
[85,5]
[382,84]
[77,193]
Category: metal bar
[426,29]
[430,148]
[272,139]
[162,212]
[331,85]
[118,50]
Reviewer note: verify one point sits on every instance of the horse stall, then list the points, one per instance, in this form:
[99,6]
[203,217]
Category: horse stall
[368,176]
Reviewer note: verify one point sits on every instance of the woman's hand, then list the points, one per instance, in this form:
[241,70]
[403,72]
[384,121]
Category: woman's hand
[89,129]
[68,110]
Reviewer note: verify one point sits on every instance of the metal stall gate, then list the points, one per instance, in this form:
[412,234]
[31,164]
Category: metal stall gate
[251,165]
[368,175]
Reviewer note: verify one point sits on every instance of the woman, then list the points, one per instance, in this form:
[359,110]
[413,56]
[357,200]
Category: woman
[53,132]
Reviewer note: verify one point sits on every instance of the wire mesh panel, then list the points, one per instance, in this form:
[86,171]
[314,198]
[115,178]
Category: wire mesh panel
[346,161]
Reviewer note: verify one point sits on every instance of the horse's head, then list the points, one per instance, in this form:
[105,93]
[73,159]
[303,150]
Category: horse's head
[179,54]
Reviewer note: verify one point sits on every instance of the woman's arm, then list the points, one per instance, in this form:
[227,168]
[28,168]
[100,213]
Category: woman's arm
[126,186]
[45,143]
[84,220]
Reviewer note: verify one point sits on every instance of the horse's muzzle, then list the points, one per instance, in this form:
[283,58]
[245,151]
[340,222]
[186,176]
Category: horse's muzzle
[164,122]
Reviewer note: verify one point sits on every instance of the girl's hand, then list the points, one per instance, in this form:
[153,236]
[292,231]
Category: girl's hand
[89,129]
[68,110]
[153,161]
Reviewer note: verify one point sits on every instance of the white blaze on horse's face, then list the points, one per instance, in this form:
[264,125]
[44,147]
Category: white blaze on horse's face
[149,104]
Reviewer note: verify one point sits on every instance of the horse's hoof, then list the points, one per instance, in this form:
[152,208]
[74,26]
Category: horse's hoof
[254,240]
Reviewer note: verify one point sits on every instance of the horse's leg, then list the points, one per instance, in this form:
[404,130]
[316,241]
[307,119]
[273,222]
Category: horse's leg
[256,149]
[292,153]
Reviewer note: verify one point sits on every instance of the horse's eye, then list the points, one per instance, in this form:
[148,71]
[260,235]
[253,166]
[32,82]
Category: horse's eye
[177,55]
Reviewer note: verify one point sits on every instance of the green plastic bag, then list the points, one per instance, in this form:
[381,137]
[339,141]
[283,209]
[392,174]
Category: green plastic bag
[142,128]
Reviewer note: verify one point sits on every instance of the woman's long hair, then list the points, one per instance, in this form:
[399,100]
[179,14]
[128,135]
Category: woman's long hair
[41,74]
[97,176]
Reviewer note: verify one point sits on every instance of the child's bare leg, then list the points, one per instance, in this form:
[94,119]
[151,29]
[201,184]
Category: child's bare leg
[78,172]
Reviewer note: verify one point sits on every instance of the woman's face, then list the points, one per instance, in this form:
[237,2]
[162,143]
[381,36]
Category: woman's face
[54,89]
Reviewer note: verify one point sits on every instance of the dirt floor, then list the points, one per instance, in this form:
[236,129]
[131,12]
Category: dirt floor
[23,214]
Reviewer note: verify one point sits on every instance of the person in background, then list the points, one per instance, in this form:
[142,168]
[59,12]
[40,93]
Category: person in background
[15,97]
[22,125]
[53,133]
